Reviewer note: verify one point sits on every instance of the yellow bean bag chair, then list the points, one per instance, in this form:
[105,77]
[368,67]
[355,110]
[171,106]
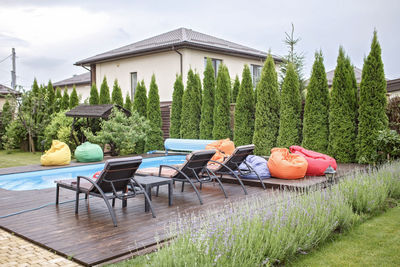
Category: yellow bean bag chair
[58,154]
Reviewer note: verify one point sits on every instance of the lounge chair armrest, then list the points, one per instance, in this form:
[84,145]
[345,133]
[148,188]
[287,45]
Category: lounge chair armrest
[90,181]
[222,164]
[167,166]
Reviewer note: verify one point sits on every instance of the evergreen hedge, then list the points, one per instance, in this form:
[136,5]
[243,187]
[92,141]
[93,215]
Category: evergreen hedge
[235,89]
[50,98]
[207,105]
[372,116]
[73,99]
[244,110]
[128,102]
[199,90]
[65,100]
[116,96]
[222,118]
[316,109]
[94,95]
[35,88]
[267,110]
[176,109]
[154,139]
[57,103]
[190,116]
[6,117]
[104,92]
[140,99]
[342,114]
[290,109]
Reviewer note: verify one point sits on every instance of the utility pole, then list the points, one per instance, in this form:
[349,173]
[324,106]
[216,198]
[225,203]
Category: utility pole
[13,71]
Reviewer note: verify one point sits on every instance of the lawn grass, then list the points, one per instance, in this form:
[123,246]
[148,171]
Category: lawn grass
[376,242]
[18,158]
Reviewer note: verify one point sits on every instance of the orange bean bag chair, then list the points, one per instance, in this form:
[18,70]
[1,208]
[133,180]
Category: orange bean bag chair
[224,148]
[282,164]
[317,162]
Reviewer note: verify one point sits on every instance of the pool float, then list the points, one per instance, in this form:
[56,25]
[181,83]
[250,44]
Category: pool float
[284,165]
[88,152]
[96,174]
[59,154]
[317,162]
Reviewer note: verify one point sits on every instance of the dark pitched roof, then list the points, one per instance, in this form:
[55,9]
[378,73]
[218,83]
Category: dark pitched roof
[94,111]
[74,80]
[179,38]
[393,85]
[5,90]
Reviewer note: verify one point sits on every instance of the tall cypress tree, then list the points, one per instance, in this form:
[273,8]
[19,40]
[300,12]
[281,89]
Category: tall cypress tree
[140,99]
[199,89]
[372,116]
[190,116]
[244,110]
[154,139]
[35,88]
[57,102]
[176,109]
[128,102]
[50,98]
[342,121]
[104,92]
[316,110]
[73,99]
[235,89]
[94,95]
[117,98]
[207,104]
[65,100]
[267,110]
[222,118]
[290,109]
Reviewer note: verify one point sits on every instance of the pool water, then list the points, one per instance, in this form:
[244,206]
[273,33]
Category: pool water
[46,178]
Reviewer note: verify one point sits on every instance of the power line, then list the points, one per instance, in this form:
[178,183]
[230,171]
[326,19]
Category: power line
[5,58]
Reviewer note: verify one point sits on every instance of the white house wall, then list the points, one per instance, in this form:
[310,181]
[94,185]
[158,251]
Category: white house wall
[82,90]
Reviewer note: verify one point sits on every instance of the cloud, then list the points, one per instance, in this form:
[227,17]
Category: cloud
[7,40]
[43,62]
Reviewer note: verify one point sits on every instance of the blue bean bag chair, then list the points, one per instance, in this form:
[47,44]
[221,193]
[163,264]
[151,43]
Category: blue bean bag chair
[258,164]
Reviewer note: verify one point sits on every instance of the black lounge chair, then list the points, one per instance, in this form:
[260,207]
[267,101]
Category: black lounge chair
[193,171]
[231,164]
[111,184]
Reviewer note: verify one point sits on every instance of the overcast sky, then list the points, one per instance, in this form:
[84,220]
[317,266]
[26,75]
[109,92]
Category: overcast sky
[50,36]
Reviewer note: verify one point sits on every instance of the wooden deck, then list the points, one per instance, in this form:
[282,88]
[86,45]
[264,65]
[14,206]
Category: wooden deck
[90,238]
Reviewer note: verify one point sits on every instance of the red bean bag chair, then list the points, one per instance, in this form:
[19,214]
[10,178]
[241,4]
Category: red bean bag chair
[317,162]
[284,165]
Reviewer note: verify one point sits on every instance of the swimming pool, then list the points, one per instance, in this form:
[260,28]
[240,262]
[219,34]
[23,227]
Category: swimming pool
[46,178]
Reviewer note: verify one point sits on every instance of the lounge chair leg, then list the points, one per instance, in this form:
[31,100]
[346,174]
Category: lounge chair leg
[197,192]
[148,201]
[111,210]
[113,202]
[241,183]
[57,194]
[201,186]
[158,189]
[183,184]
[220,185]
[76,202]
[86,196]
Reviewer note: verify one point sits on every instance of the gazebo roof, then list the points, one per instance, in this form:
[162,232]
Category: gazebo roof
[94,111]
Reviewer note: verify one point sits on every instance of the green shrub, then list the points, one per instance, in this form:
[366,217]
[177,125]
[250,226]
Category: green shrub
[154,139]
[176,109]
[50,98]
[393,113]
[73,99]
[65,100]
[222,117]
[59,128]
[117,94]
[128,102]
[140,99]
[15,135]
[235,89]
[104,92]
[207,105]
[190,116]
[58,100]
[6,117]
[94,95]
[388,142]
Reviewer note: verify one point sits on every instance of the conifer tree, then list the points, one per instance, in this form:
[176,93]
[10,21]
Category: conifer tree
[267,110]
[6,117]
[342,121]
[235,89]
[128,102]
[73,99]
[290,109]
[222,118]
[57,104]
[244,110]
[372,116]
[65,100]
[190,116]
[199,89]
[117,98]
[154,139]
[94,95]
[104,92]
[176,109]
[35,88]
[140,99]
[50,98]
[316,110]
[207,105]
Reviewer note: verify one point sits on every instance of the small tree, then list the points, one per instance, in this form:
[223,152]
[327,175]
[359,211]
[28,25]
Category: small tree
[65,100]
[267,110]
[128,102]
[176,109]
[117,94]
[207,105]
[73,100]
[190,116]
[57,104]
[104,92]
[50,98]
[154,139]
[235,89]
[372,117]
[316,110]
[94,95]
[290,109]
[244,111]
[222,118]
[35,88]
[140,99]
[6,117]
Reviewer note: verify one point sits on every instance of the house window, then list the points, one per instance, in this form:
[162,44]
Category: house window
[215,63]
[255,73]
[133,84]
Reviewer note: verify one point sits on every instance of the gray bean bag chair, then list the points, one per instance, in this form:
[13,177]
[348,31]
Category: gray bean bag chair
[259,165]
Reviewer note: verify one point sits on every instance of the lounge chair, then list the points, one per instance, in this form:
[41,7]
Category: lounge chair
[231,164]
[111,184]
[192,171]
